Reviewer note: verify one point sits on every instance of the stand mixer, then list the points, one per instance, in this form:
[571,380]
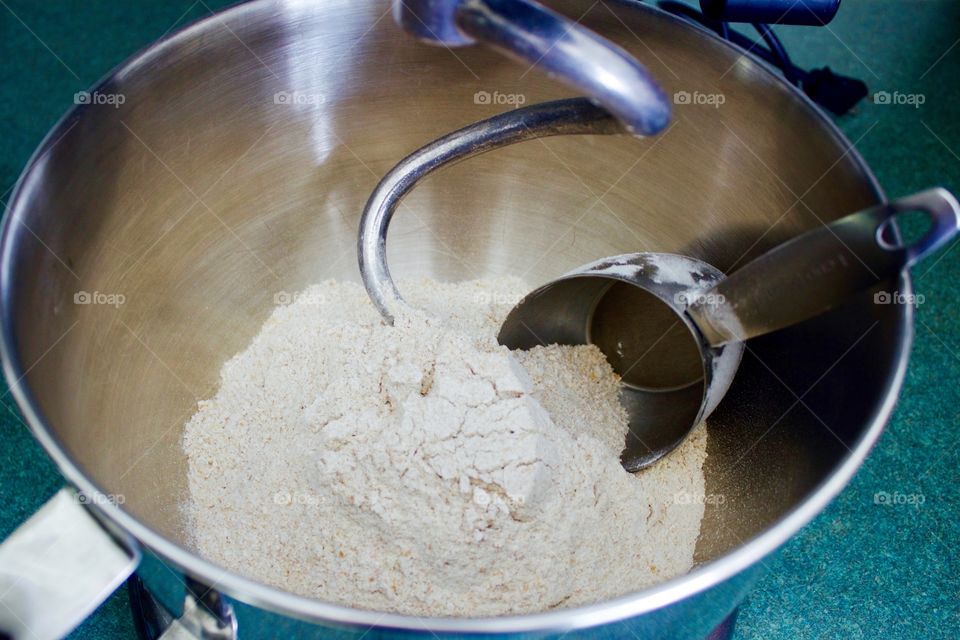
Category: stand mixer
[180,293]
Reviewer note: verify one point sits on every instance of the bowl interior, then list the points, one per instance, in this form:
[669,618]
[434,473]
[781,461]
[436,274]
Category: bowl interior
[149,240]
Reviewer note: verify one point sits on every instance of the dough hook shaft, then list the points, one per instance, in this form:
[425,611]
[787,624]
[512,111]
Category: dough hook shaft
[541,38]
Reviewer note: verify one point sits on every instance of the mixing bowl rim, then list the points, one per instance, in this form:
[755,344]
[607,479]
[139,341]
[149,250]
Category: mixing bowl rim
[257,594]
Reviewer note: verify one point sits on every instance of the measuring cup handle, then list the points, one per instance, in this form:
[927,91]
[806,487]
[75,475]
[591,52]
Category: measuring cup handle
[821,269]
[944,212]
[539,37]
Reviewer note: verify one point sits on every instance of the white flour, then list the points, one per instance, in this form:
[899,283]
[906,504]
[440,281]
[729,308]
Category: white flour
[423,469]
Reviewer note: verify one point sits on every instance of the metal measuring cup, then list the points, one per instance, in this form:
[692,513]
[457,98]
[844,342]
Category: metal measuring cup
[674,327]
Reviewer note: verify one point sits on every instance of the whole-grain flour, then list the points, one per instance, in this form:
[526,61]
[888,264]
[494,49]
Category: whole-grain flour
[421,468]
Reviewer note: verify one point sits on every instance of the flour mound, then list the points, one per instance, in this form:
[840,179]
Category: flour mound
[422,468]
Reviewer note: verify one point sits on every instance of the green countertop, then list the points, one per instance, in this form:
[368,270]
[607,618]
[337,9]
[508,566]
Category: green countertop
[860,570]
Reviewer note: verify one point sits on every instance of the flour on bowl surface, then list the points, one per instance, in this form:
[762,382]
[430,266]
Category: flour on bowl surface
[422,468]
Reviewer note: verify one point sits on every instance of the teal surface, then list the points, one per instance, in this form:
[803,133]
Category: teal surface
[861,569]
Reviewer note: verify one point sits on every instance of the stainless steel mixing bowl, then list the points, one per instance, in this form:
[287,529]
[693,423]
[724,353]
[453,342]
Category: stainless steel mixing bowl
[148,240]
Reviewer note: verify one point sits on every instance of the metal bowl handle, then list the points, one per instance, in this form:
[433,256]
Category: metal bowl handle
[59,565]
[528,31]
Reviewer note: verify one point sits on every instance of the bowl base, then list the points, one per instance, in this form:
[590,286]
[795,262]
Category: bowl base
[151,619]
